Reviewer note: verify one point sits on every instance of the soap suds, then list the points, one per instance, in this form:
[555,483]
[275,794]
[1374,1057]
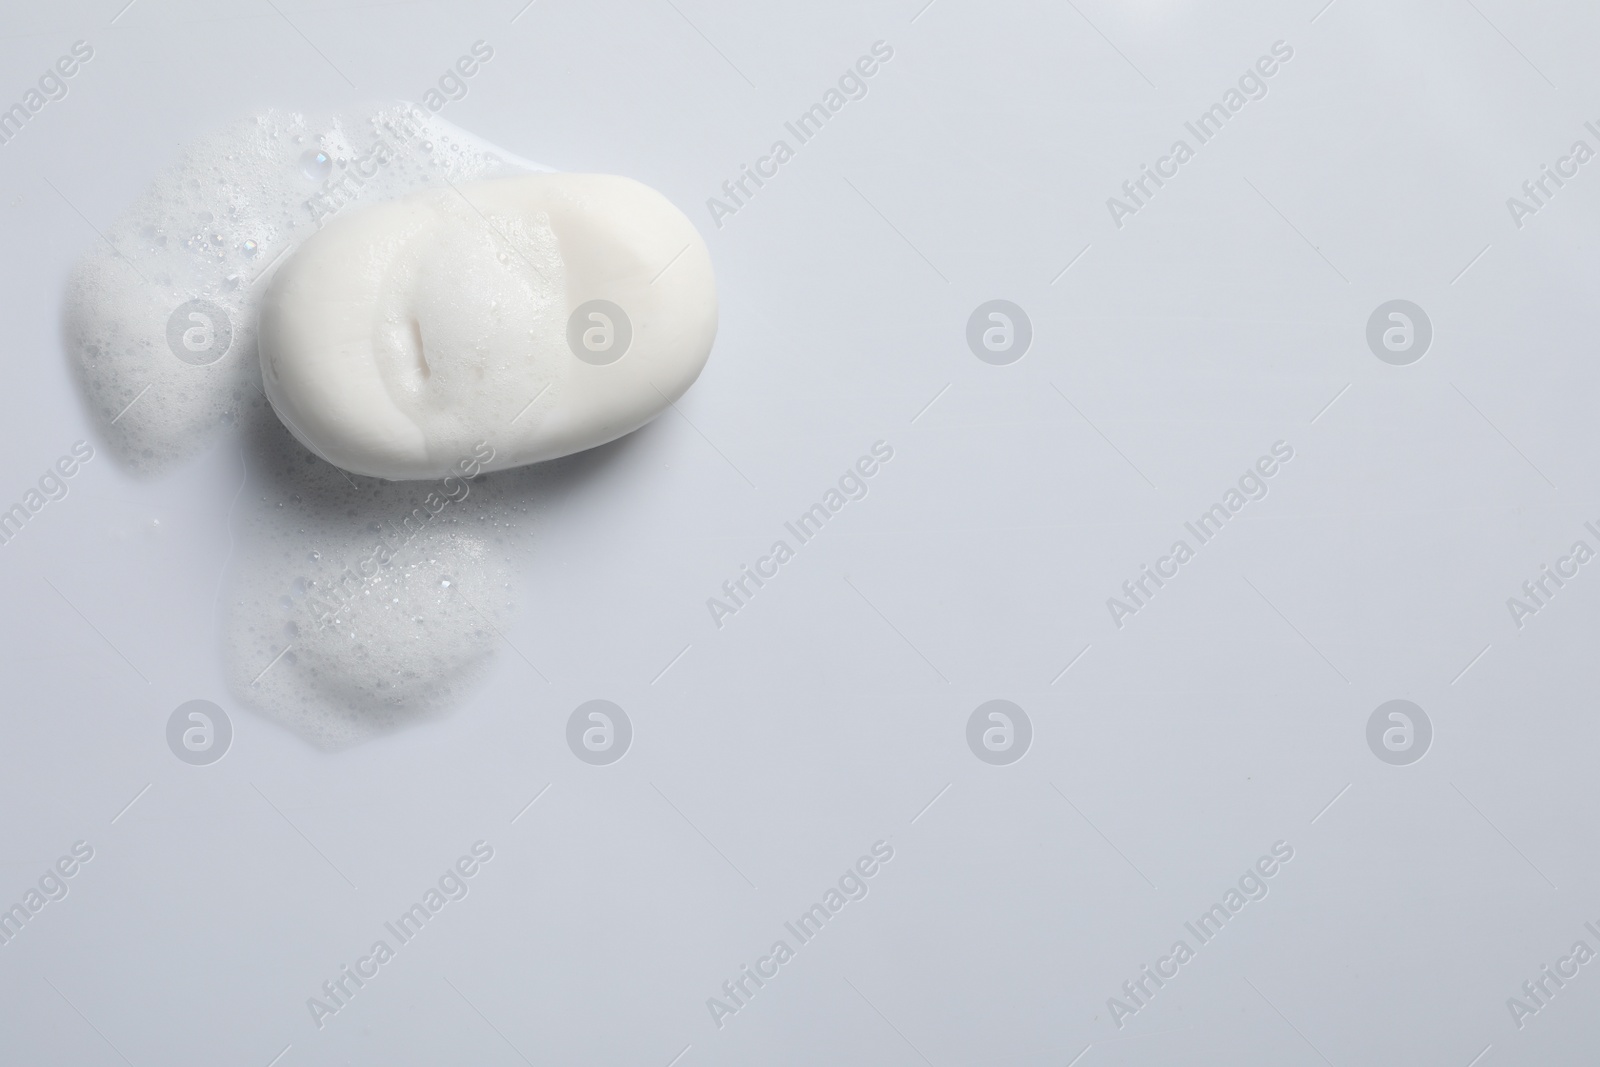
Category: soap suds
[161,331]
[202,241]
[360,604]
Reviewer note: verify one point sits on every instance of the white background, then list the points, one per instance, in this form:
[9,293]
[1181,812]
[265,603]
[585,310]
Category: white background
[1224,717]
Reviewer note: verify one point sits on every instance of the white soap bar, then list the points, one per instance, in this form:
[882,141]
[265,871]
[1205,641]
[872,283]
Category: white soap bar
[542,315]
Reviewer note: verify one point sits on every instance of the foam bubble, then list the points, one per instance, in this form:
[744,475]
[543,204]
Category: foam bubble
[162,314]
[358,604]
[354,605]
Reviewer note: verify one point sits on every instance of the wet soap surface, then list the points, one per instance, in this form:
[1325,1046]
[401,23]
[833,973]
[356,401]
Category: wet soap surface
[546,313]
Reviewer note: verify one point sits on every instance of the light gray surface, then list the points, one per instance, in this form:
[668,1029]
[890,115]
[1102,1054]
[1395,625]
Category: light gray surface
[1228,314]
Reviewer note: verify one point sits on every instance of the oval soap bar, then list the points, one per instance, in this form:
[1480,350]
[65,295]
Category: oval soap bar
[543,315]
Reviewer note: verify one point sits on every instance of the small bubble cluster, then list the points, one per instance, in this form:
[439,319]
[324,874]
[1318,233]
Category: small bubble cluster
[357,605]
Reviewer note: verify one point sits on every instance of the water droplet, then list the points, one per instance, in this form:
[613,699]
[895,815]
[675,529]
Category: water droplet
[315,164]
[250,248]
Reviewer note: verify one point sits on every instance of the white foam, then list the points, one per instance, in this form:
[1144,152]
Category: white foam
[359,604]
[405,642]
[212,229]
